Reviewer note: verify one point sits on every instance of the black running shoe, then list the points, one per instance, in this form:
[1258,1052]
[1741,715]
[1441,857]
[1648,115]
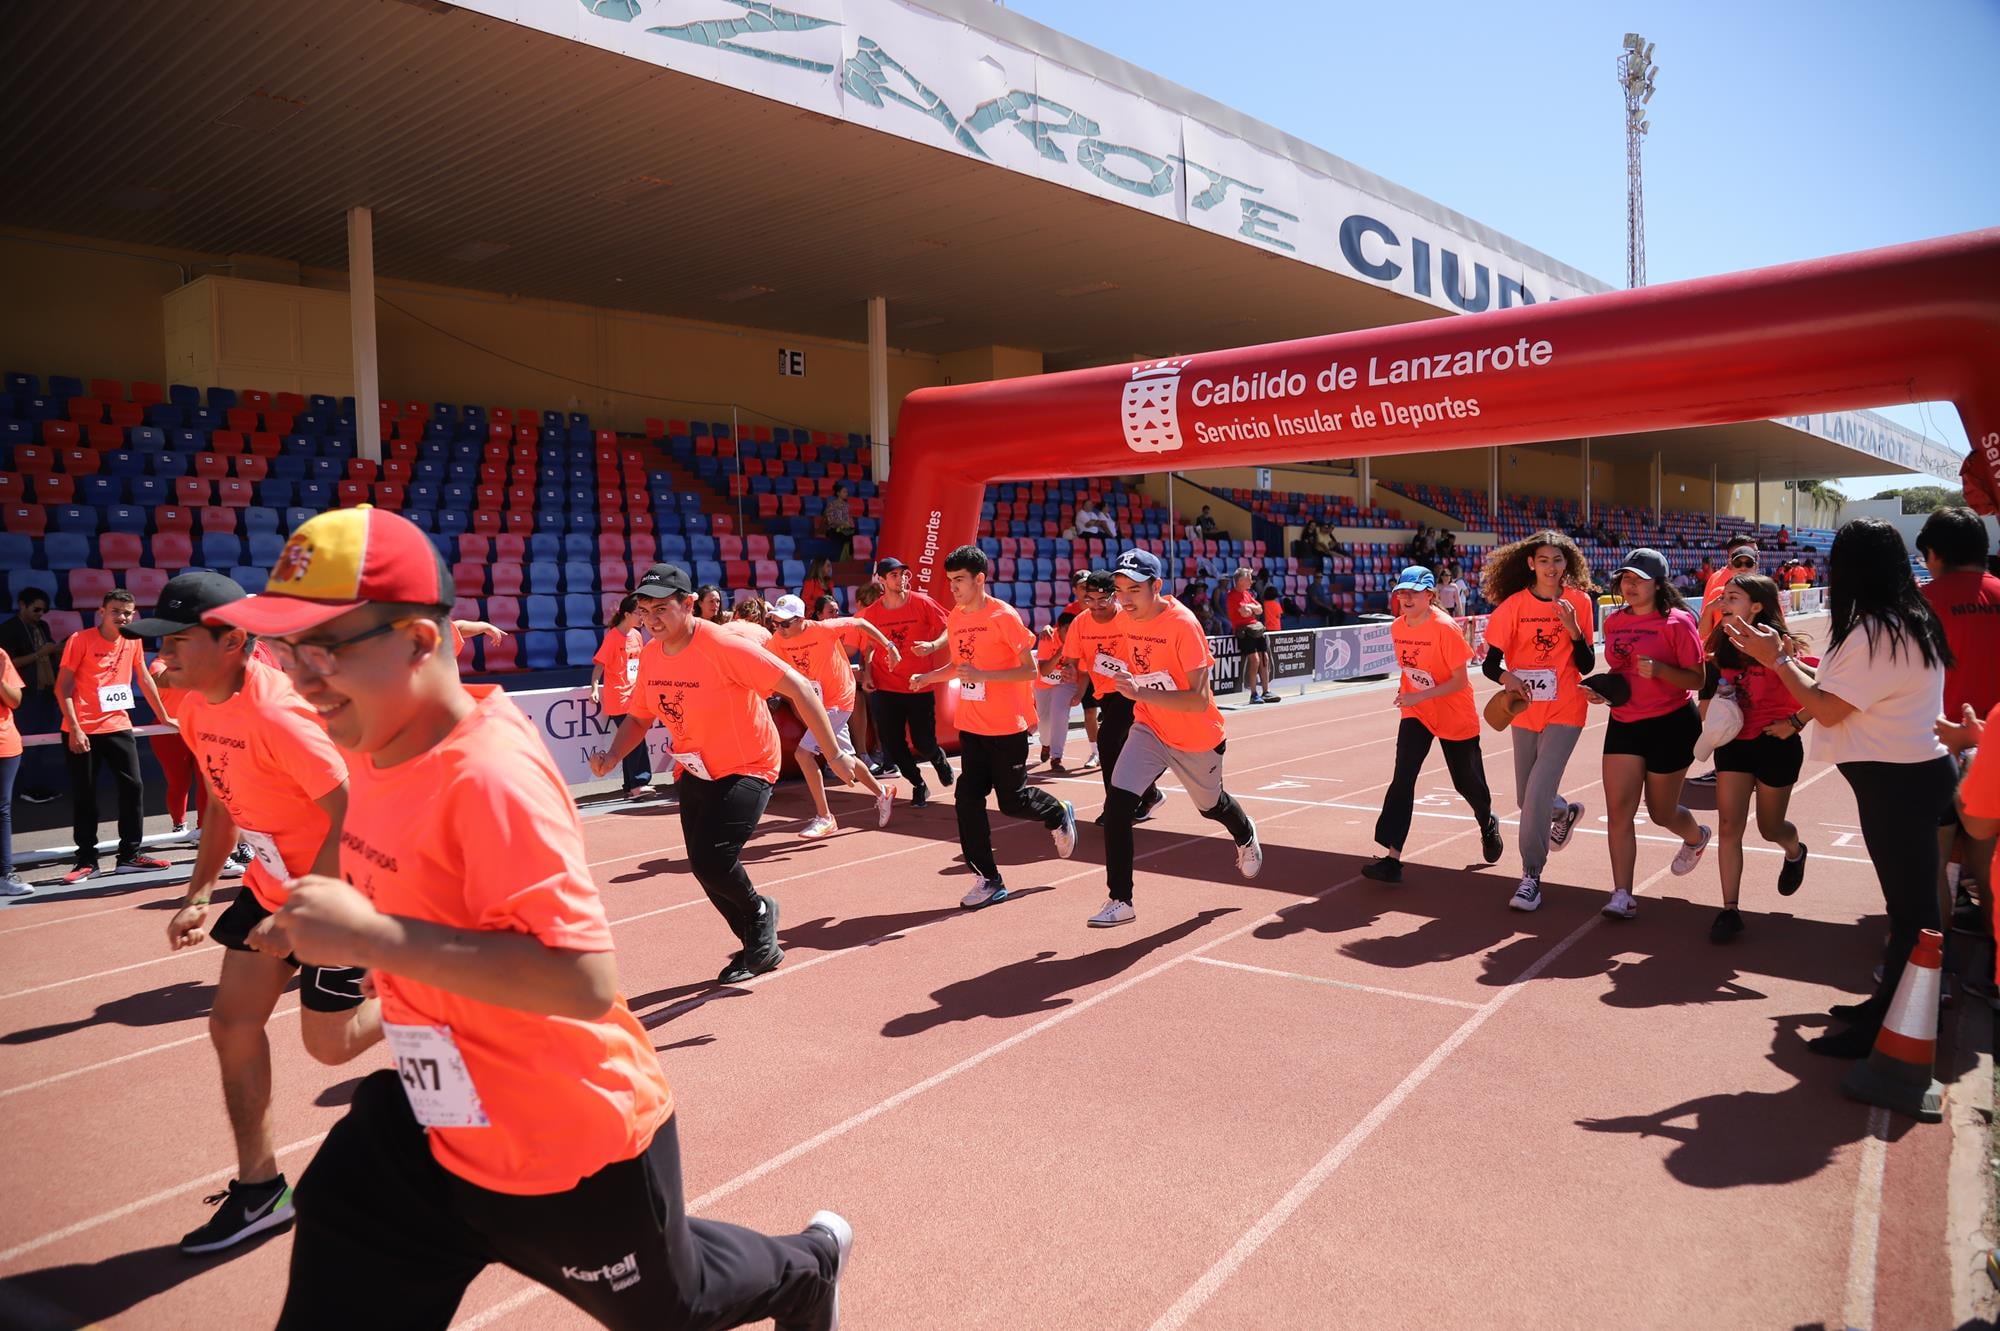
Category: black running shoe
[1388,869]
[1728,924]
[1148,807]
[242,1210]
[920,795]
[1490,844]
[1792,872]
[748,965]
[945,777]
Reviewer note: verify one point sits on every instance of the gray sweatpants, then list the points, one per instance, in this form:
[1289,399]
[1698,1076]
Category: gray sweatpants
[1052,708]
[1539,759]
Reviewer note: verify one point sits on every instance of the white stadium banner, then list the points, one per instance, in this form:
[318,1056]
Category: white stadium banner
[573,726]
[926,75]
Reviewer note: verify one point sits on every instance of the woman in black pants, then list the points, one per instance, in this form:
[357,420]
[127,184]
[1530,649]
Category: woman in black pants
[1875,699]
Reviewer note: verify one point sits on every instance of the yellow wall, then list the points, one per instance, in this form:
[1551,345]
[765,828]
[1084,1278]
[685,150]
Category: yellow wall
[92,308]
[285,339]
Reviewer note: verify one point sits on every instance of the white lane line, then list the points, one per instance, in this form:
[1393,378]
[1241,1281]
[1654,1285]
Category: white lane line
[1864,1242]
[122,1058]
[1339,984]
[1197,1295]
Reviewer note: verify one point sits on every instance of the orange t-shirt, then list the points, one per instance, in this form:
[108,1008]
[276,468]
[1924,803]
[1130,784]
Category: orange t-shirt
[1274,615]
[1979,792]
[1088,639]
[457,639]
[1048,658]
[1165,650]
[819,652]
[710,696]
[751,632]
[1536,647]
[169,695]
[479,834]
[619,655]
[10,733]
[917,619]
[1428,653]
[105,676]
[991,638]
[266,757]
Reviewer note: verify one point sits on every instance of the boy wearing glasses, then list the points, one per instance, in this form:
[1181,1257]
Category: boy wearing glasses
[278,785]
[527,1121]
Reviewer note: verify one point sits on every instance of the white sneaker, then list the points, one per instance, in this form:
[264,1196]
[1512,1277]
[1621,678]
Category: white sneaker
[13,886]
[1065,836]
[181,835]
[1528,896]
[231,868]
[834,1226]
[985,891]
[1563,824]
[1622,906]
[818,827]
[1250,855]
[1092,761]
[1688,857]
[884,802]
[1112,913]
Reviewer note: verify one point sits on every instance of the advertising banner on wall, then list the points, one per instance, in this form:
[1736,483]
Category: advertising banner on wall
[573,726]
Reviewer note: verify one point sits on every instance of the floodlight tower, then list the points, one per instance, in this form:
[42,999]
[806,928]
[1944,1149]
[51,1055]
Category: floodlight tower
[1636,71]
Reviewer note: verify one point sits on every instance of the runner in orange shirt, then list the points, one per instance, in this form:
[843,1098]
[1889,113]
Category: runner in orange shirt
[1538,648]
[94,688]
[613,672]
[11,687]
[818,650]
[992,656]
[708,687]
[527,1121]
[277,782]
[1435,698]
[906,715]
[1094,646]
[1163,670]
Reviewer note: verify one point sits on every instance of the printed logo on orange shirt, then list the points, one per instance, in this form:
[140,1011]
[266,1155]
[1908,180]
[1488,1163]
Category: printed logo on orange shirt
[673,705]
[217,767]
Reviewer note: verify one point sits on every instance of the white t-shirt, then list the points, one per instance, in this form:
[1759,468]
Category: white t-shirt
[1896,697]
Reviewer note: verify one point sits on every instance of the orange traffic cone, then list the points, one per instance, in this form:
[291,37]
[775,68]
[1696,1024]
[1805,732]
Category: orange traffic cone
[1897,1074]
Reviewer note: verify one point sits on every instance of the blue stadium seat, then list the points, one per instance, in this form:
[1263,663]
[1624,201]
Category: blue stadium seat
[222,398]
[550,521]
[701,547]
[327,469]
[317,495]
[101,490]
[75,517]
[420,496]
[451,521]
[277,493]
[16,550]
[578,576]
[287,467]
[150,491]
[250,578]
[166,416]
[541,612]
[423,519]
[579,646]
[541,650]
[124,462]
[66,550]
[577,546]
[579,611]
[20,579]
[673,550]
[222,549]
[149,437]
[261,519]
[14,433]
[545,548]
[126,518]
[544,579]
[265,547]
[707,570]
[297,515]
[170,464]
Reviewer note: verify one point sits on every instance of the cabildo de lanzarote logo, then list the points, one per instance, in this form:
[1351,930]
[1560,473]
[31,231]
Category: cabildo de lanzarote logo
[1152,410]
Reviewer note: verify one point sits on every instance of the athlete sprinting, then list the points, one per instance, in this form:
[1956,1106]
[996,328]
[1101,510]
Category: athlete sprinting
[818,650]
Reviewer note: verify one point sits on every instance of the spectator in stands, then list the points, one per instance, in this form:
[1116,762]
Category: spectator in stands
[1092,520]
[1784,538]
[1966,599]
[818,583]
[1321,612]
[1452,593]
[1873,703]
[837,522]
[95,687]
[1447,547]
[1421,551]
[27,641]
[708,604]
[1308,547]
[1206,524]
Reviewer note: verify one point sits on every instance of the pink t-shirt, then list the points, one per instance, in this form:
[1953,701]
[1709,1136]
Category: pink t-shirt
[1763,697]
[1671,639]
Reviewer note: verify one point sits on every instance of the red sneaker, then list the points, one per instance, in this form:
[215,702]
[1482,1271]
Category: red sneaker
[80,872]
[142,863]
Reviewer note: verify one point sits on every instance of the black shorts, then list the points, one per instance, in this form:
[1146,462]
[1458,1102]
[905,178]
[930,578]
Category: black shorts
[1665,742]
[1250,640]
[1774,762]
[321,988]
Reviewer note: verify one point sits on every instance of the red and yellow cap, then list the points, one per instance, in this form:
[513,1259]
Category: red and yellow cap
[339,561]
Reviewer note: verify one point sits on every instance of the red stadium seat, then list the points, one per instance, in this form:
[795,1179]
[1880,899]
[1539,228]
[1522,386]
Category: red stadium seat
[251,467]
[353,493]
[146,584]
[192,492]
[146,394]
[389,495]
[488,520]
[60,434]
[107,390]
[510,548]
[104,438]
[88,586]
[242,419]
[226,441]
[277,422]
[361,469]
[13,489]
[173,518]
[519,521]
[468,579]
[503,612]
[33,460]
[26,519]
[501,657]
[474,548]
[86,411]
[266,444]
[506,579]
[256,399]
[211,466]
[55,488]
[120,550]
[292,404]
[236,492]
[214,520]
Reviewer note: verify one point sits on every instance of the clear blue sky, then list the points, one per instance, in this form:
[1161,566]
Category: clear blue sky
[1781,130]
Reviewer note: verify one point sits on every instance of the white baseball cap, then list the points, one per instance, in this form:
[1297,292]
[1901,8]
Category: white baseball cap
[788,607]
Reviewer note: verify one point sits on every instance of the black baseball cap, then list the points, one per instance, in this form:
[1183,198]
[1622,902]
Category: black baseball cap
[664,580]
[1614,688]
[1647,563]
[183,602]
[889,564]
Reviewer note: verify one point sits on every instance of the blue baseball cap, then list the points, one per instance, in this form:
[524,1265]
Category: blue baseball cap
[1140,566]
[1417,578]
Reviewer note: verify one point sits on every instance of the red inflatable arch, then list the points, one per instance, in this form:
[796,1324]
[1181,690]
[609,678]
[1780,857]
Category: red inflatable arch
[1914,323]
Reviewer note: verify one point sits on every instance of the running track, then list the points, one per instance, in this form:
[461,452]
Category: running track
[1306,1101]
